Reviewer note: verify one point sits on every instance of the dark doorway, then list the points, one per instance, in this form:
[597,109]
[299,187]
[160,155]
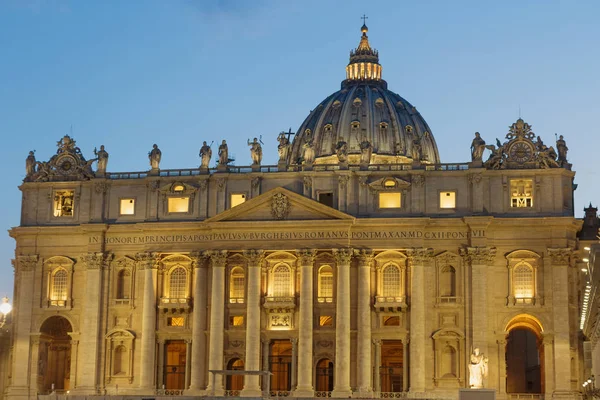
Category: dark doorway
[54,356]
[235,382]
[392,364]
[324,375]
[280,365]
[523,362]
[175,364]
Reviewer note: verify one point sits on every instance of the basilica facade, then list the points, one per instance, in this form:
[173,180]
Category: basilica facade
[358,266]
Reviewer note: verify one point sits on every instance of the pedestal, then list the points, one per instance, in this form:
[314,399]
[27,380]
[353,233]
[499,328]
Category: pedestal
[476,394]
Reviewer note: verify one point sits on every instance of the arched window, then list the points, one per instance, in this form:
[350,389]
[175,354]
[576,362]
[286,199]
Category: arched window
[120,360]
[391,280]
[237,283]
[448,281]
[325,284]
[59,286]
[124,284]
[282,281]
[178,283]
[523,283]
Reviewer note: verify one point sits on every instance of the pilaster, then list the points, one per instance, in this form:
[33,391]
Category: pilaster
[341,376]
[148,262]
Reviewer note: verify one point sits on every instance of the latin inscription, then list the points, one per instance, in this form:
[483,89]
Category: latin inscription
[311,235]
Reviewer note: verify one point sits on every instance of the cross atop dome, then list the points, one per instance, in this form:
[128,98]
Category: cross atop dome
[364,60]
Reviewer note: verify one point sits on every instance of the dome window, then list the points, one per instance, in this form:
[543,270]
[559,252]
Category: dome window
[408,129]
[389,183]
[355,124]
[328,128]
[379,102]
[357,102]
[337,104]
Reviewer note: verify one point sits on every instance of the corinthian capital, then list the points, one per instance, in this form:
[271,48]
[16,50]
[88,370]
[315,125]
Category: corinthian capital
[217,258]
[343,256]
[560,256]
[306,256]
[479,255]
[365,256]
[254,257]
[96,260]
[420,255]
[198,259]
[147,260]
[26,263]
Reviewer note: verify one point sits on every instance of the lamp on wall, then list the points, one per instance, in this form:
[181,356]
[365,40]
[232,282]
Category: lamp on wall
[5,309]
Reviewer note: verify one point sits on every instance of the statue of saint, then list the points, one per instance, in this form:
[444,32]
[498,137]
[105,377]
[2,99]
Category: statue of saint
[416,150]
[284,146]
[309,150]
[477,369]
[255,151]
[205,155]
[223,153]
[365,150]
[154,155]
[477,147]
[30,164]
[341,150]
[561,147]
[102,157]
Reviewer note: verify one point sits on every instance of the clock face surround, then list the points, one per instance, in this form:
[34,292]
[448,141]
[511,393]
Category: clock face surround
[66,165]
[521,152]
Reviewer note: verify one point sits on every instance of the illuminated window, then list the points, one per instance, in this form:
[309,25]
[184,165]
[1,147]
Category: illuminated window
[521,193]
[523,281]
[127,206]
[325,284]
[237,283]
[282,281]
[58,296]
[389,183]
[389,200]
[447,199]
[178,187]
[391,321]
[236,320]
[176,321]
[179,204]
[237,199]
[325,320]
[63,203]
[178,283]
[123,284]
[391,281]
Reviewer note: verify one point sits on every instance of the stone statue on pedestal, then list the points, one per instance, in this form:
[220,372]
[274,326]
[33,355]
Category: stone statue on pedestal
[205,155]
[102,157]
[255,151]
[30,164]
[341,150]
[223,153]
[366,149]
[477,147]
[155,155]
[309,151]
[477,369]
[284,146]
[561,147]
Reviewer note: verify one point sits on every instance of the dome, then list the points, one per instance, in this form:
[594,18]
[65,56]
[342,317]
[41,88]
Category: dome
[364,113]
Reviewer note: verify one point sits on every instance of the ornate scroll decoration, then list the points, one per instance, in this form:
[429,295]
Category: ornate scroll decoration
[418,180]
[474,178]
[560,256]
[307,182]
[343,256]
[198,259]
[365,256]
[306,256]
[419,255]
[97,260]
[203,184]
[68,164]
[148,260]
[520,130]
[221,184]
[254,257]
[27,263]
[153,185]
[479,255]
[363,180]
[280,206]
[256,182]
[217,258]
[343,181]
[101,187]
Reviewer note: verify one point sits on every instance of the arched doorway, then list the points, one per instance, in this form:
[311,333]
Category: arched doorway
[324,375]
[174,369]
[392,366]
[235,382]
[280,362]
[54,356]
[524,356]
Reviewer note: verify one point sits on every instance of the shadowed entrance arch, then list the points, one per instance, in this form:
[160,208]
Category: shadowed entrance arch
[524,355]
[54,356]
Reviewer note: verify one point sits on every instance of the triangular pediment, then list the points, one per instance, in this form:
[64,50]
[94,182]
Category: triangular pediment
[280,204]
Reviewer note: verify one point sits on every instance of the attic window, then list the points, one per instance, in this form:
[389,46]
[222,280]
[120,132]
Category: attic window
[237,199]
[178,187]
[390,200]
[178,204]
[389,183]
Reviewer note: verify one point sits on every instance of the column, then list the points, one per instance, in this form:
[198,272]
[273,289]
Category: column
[480,259]
[561,259]
[418,258]
[364,367]
[305,387]
[294,363]
[548,378]
[149,264]
[501,341]
[35,349]
[252,362]
[376,375]
[161,363]
[198,355]
[23,306]
[341,377]
[217,322]
[95,264]
[74,356]
[404,365]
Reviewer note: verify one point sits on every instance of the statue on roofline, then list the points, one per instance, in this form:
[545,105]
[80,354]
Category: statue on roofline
[477,147]
[154,156]
[205,155]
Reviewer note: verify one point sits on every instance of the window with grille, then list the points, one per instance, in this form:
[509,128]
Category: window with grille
[391,281]
[521,193]
[325,284]
[282,279]
[237,285]
[59,287]
[523,281]
[178,283]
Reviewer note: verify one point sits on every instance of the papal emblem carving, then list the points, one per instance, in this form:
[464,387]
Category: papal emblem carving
[280,206]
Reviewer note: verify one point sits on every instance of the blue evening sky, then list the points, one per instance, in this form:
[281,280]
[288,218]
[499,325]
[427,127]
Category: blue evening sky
[128,74]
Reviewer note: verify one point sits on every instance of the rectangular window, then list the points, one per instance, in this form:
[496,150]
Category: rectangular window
[126,206]
[325,320]
[236,320]
[176,321]
[325,198]
[179,204]
[63,203]
[447,199]
[389,200]
[237,198]
[521,193]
